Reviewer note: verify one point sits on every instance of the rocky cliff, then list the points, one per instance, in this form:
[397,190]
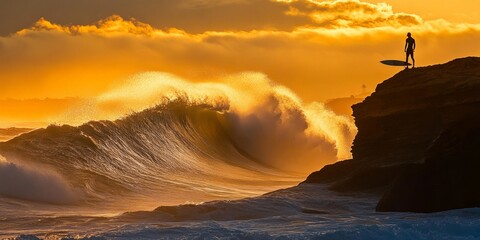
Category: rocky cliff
[418,141]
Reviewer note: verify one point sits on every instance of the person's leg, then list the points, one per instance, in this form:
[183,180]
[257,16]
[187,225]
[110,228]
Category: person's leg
[413,60]
[406,60]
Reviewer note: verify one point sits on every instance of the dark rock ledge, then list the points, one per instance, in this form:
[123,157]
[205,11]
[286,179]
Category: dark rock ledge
[418,141]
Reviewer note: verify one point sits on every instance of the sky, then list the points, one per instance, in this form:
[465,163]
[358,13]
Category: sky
[56,53]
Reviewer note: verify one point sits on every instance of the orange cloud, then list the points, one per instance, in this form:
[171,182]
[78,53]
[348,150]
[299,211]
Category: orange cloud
[331,18]
[111,25]
[57,61]
[194,16]
[351,13]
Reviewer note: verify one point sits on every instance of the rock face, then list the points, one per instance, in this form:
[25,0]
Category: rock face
[418,141]
[449,178]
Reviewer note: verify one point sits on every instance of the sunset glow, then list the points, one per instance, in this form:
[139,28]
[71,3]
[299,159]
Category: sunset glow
[239,119]
[304,45]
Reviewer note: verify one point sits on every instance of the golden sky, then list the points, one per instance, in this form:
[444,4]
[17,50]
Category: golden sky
[320,49]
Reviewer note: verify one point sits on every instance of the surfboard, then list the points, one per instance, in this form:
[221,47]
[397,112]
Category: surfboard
[395,63]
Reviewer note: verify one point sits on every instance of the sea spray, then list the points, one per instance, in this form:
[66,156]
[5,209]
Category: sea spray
[265,119]
[42,185]
[164,140]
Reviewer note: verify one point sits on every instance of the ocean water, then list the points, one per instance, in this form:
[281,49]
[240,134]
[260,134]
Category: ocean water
[304,212]
[199,169]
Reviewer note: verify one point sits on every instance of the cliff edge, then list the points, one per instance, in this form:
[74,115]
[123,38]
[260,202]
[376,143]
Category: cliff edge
[418,141]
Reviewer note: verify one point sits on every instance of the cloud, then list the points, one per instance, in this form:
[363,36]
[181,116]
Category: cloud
[111,25]
[198,16]
[329,18]
[194,16]
[355,17]
[351,13]
[56,60]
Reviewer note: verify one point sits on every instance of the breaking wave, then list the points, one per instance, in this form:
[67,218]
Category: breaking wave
[199,142]
[26,183]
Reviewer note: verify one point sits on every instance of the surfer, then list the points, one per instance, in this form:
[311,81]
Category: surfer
[410,48]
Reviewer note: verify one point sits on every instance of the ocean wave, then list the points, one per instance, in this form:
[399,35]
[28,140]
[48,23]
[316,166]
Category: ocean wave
[200,142]
[26,183]
[277,215]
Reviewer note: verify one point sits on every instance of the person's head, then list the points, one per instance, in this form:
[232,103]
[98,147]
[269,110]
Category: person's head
[409,34]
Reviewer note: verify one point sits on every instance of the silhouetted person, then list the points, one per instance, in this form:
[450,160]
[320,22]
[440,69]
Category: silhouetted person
[410,48]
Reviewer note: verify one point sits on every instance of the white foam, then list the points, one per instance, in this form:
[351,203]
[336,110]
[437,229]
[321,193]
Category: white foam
[22,182]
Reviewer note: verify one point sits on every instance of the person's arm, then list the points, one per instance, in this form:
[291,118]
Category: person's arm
[414,44]
[406,43]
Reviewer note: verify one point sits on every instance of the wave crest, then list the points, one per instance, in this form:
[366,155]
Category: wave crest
[232,139]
